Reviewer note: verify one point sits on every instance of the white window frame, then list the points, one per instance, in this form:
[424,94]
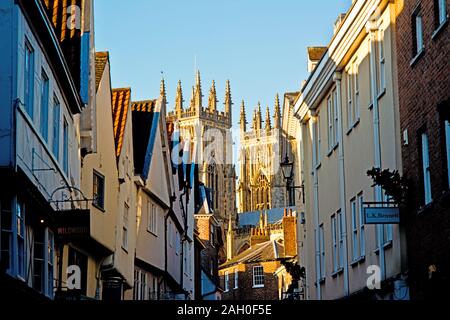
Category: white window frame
[335,243]
[355,229]
[350,83]
[236,279]
[340,220]
[362,235]
[331,131]
[336,118]
[382,63]
[322,251]
[258,277]
[317,142]
[226,281]
[428,197]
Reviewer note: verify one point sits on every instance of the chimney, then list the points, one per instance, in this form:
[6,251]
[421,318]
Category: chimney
[259,236]
[290,233]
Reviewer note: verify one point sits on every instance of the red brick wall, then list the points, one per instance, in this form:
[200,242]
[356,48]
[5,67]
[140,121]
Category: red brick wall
[424,88]
[245,289]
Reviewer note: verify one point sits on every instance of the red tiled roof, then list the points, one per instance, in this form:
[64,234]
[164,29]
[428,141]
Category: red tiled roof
[69,38]
[101,58]
[120,106]
[316,53]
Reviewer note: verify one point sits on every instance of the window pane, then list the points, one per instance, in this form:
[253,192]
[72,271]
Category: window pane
[442,11]
[66,148]
[56,128]
[426,170]
[99,190]
[419,33]
[29,80]
[44,106]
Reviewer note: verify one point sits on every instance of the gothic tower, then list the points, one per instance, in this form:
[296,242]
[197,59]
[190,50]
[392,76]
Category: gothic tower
[209,131]
[260,181]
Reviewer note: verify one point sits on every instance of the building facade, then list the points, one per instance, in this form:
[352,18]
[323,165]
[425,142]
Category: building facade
[258,273]
[44,88]
[261,183]
[422,33]
[348,109]
[207,135]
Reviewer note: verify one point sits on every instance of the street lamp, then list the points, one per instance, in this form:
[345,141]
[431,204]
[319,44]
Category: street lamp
[287,168]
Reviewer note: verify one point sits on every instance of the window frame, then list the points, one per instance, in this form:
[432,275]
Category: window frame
[226,282]
[362,230]
[381,62]
[426,169]
[322,252]
[96,178]
[66,155]
[44,106]
[125,226]
[56,127]
[152,218]
[29,75]
[417,28]
[236,279]
[355,229]
[335,242]
[258,277]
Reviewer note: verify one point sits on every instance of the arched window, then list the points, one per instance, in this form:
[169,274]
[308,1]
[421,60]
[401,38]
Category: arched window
[212,184]
[262,194]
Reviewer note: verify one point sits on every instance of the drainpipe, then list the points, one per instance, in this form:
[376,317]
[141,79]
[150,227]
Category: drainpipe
[371,28]
[316,212]
[342,193]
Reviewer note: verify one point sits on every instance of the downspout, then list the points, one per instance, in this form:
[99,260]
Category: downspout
[183,238]
[371,29]
[316,212]
[342,193]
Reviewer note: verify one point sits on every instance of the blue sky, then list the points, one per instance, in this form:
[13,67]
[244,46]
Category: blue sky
[259,45]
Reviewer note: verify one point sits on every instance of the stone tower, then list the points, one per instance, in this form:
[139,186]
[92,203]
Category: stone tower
[261,181]
[209,132]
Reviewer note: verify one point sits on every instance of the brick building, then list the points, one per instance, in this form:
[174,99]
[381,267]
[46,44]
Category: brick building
[423,49]
[258,272]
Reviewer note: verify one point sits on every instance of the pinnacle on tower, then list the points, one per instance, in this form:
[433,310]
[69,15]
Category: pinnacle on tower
[179,100]
[259,117]
[192,102]
[198,91]
[243,118]
[162,90]
[212,101]
[277,115]
[268,124]
[228,100]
